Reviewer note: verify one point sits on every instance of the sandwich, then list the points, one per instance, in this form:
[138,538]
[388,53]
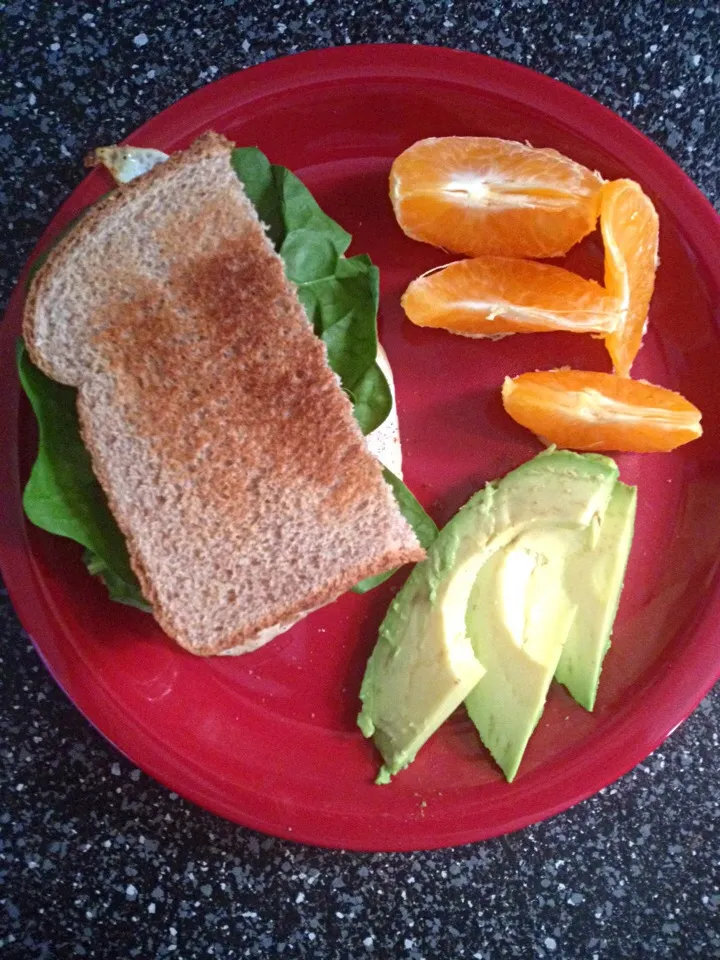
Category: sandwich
[231,457]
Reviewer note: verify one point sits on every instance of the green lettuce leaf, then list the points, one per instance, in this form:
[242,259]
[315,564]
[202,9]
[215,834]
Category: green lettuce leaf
[63,495]
[422,524]
[120,587]
[340,296]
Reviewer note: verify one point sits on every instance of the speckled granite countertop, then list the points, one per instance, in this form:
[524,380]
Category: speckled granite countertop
[97,860]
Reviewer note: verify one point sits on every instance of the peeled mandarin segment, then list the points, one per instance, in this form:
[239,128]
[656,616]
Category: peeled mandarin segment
[600,411]
[493,296]
[484,196]
[630,228]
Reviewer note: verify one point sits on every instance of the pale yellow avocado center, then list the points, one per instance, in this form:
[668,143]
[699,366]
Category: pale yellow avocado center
[526,595]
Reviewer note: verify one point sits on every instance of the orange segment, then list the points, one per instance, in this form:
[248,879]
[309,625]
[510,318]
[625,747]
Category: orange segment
[629,225]
[481,195]
[498,295]
[600,411]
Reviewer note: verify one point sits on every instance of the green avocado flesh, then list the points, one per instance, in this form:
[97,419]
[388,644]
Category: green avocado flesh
[518,619]
[422,666]
[429,658]
[520,611]
[594,584]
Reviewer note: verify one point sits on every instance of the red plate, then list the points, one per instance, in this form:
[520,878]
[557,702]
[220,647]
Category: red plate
[269,739]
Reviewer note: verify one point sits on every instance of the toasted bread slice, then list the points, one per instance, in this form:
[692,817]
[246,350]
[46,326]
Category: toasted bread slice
[226,447]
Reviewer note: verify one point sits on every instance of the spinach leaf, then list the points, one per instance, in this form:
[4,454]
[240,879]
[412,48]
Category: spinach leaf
[63,495]
[422,524]
[364,396]
[119,587]
[283,202]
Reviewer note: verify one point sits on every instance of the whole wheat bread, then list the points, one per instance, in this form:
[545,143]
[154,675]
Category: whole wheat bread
[227,449]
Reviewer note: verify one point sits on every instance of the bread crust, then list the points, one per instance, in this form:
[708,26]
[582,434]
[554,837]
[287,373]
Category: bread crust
[222,322]
[208,145]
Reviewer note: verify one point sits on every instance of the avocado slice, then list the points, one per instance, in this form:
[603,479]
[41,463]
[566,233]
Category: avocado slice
[519,617]
[594,583]
[423,664]
[520,612]
[421,669]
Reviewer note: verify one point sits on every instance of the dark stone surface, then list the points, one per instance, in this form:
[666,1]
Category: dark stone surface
[100,861]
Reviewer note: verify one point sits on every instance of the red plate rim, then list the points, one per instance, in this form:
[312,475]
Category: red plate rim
[667,703]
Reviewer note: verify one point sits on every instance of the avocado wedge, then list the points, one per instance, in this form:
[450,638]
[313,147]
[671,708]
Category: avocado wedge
[594,584]
[423,664]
